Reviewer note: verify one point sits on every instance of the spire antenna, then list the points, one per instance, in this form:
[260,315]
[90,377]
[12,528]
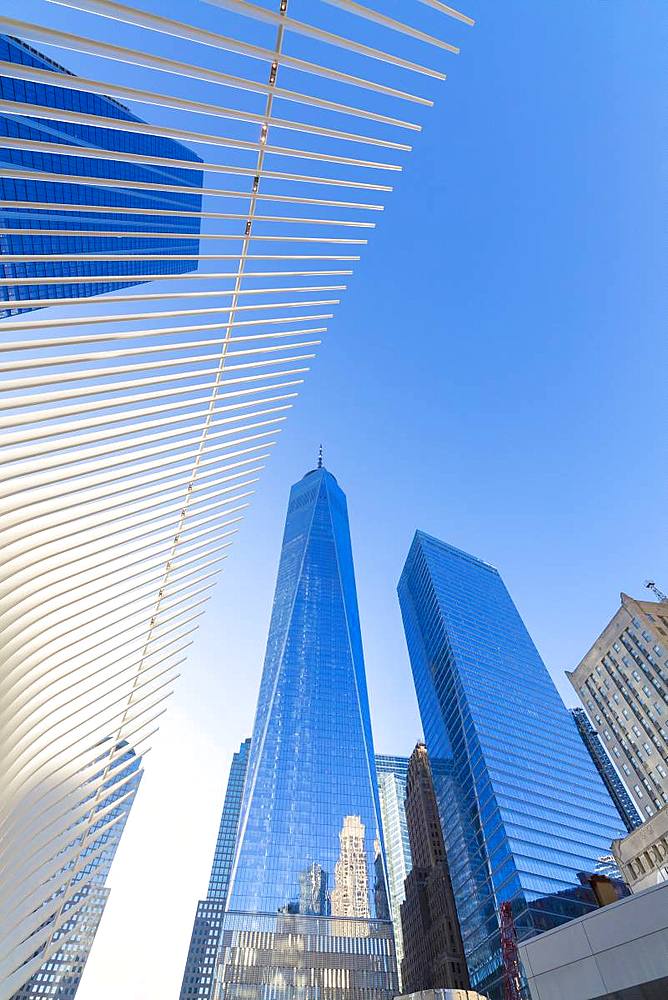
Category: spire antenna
[320,457]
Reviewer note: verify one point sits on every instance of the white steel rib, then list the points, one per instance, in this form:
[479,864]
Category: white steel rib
[132,448]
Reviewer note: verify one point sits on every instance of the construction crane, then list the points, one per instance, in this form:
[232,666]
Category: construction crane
[655,590]
[512,977]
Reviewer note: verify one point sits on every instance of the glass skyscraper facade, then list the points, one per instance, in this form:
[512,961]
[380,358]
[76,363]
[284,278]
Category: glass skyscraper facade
[389,764]
[392,774]
[525,815]
[219,880]
[60,975]
[201,961]
[307,913]
[33,174]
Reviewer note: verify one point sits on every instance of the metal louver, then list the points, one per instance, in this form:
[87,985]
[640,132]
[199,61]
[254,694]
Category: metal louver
[136,417]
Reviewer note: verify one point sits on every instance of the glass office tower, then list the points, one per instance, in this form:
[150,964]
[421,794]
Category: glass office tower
[525,815]
[31,174]
[307,912]
[219,880]
[200,964]
[59,977]
[392,774]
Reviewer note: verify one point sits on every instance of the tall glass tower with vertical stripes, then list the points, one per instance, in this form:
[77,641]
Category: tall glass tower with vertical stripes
[392,774]
[197,981]
[524,812]
[307,912]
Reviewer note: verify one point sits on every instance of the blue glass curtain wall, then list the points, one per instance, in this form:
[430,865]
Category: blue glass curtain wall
[525,814]
[57,193]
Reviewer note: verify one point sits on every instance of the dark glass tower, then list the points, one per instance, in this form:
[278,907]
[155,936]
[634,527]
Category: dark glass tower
[525,815]
[200,964]
[34,175]
[606,769]
[308,878]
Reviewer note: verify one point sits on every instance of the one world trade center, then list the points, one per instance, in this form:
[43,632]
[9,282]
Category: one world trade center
[307,913]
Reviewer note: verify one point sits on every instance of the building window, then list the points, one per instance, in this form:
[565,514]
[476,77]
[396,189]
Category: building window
[638,790]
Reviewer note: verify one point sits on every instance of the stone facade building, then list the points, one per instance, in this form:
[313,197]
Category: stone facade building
[433,949]
[623,685]
[642,857]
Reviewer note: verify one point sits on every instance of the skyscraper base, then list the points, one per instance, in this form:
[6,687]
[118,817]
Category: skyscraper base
[289,956]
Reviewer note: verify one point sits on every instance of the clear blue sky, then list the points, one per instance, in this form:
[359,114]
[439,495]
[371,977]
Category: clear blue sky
[497,372]
[496,375]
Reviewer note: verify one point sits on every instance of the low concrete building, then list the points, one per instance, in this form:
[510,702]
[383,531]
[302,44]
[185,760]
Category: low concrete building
[642,857]
[619,952]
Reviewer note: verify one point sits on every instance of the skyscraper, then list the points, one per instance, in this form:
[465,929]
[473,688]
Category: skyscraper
[151,507]
[525,815]
[604,766]
[309,836]
[433,949]
[60,975]
[201,960]
[105,202]
[623,685]
[392,773]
